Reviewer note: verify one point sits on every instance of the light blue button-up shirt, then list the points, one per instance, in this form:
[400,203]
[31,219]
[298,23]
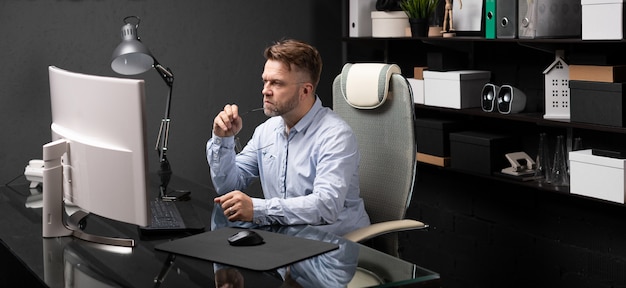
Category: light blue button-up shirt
[309,176]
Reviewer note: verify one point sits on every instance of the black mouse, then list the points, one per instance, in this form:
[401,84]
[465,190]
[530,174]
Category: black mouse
[245,238]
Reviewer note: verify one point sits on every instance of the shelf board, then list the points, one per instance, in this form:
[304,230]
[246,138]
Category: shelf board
[534,117]
[538,185]
[483,39]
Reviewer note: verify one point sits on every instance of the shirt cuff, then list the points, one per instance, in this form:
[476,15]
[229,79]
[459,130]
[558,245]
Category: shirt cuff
[226,142]
[259,216]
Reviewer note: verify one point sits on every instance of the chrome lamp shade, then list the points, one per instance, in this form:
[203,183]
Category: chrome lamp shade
[131,57]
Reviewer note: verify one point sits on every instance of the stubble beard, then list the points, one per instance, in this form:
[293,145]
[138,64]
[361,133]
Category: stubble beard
[279,110]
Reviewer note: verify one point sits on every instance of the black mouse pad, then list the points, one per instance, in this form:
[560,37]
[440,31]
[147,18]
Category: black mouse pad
[277,251]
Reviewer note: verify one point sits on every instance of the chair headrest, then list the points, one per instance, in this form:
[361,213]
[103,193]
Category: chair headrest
[366,85]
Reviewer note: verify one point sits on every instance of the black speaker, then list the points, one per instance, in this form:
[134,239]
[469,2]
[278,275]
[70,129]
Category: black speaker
[488,97]
[510,100]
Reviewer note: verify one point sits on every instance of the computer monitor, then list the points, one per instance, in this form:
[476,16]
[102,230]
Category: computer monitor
[97,159]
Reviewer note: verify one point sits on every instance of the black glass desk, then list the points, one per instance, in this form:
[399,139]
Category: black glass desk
[70,262]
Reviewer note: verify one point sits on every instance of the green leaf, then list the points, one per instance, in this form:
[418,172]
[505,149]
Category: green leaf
[419,8]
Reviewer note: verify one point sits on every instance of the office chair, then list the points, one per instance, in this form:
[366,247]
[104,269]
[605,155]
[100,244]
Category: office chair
[377,102]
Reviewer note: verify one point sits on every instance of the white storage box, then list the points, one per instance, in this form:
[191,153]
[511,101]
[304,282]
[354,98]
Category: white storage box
[597,176]
[389,24]
[454,89]
[417,85]
[602,19]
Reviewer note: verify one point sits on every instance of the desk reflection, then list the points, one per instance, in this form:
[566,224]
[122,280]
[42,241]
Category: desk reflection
[63,264]
[70,262]
[228,277]
[331,269]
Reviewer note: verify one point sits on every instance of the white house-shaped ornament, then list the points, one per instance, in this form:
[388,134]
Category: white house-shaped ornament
[556,89]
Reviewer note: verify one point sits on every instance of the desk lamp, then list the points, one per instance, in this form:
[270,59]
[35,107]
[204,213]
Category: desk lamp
[132,57]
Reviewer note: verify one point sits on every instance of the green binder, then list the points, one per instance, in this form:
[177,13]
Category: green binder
[490,19]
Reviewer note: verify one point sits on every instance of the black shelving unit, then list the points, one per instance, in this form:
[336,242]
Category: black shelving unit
[518,62]
[492,231]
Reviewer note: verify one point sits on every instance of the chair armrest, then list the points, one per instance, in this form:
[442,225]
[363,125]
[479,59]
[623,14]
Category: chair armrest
[376,229]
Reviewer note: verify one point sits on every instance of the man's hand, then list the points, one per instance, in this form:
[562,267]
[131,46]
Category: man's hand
[237,206]
[227,123]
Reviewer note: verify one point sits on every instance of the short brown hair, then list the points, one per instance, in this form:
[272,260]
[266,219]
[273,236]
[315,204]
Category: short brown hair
[299,54]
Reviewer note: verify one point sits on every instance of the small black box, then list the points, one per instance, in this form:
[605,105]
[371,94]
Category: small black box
[597,102]
[433,135]
[481,152]
[445,61]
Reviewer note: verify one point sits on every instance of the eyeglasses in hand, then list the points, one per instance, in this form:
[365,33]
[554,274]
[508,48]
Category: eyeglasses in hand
[238,146]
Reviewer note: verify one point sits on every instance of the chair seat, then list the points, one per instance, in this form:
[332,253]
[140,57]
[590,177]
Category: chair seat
[381,228]
[364,278]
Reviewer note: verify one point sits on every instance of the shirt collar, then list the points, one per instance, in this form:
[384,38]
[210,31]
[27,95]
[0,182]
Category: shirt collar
[306,121]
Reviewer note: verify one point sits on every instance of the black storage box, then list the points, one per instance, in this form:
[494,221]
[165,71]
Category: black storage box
[446,61]
[433,135]
[481,152]
[597,102]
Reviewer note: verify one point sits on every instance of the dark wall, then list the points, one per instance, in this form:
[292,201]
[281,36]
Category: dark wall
[214,49]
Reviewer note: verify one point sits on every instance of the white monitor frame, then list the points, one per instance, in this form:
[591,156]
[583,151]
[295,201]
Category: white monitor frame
[97,159]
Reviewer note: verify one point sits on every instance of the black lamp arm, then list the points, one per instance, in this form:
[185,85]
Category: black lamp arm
[166,73]
[165,171]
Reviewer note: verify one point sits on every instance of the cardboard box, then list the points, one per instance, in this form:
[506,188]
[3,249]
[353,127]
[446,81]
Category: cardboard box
[389,24]
[597,102]
[454,89]
[418,72]
[480,152]
[602,19]
[597,176]
[597,73]
[417,86]
[433,135]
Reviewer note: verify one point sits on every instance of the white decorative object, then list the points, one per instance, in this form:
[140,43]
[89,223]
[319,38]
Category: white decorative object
[389,24]
[34,172]
[557,92]
[467,15]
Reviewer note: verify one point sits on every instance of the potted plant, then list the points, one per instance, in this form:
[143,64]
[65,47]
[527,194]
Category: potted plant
[419,12]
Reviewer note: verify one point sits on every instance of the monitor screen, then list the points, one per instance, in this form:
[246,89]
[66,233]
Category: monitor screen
[99,124]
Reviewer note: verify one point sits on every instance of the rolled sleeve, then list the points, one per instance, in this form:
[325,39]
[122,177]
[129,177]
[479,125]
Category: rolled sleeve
[260,217]
[220,155]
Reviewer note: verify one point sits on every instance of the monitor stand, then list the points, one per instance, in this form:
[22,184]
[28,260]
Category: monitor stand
[54,224]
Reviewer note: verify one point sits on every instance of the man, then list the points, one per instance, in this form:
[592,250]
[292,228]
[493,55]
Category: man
[305,155]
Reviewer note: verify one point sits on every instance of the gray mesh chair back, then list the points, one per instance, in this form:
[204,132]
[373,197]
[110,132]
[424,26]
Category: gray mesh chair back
[387,145]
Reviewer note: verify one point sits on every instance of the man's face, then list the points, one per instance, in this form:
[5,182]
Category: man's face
[281,88]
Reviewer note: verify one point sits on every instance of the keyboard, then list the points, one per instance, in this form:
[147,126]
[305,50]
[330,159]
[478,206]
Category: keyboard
[165,215]
[172,217]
